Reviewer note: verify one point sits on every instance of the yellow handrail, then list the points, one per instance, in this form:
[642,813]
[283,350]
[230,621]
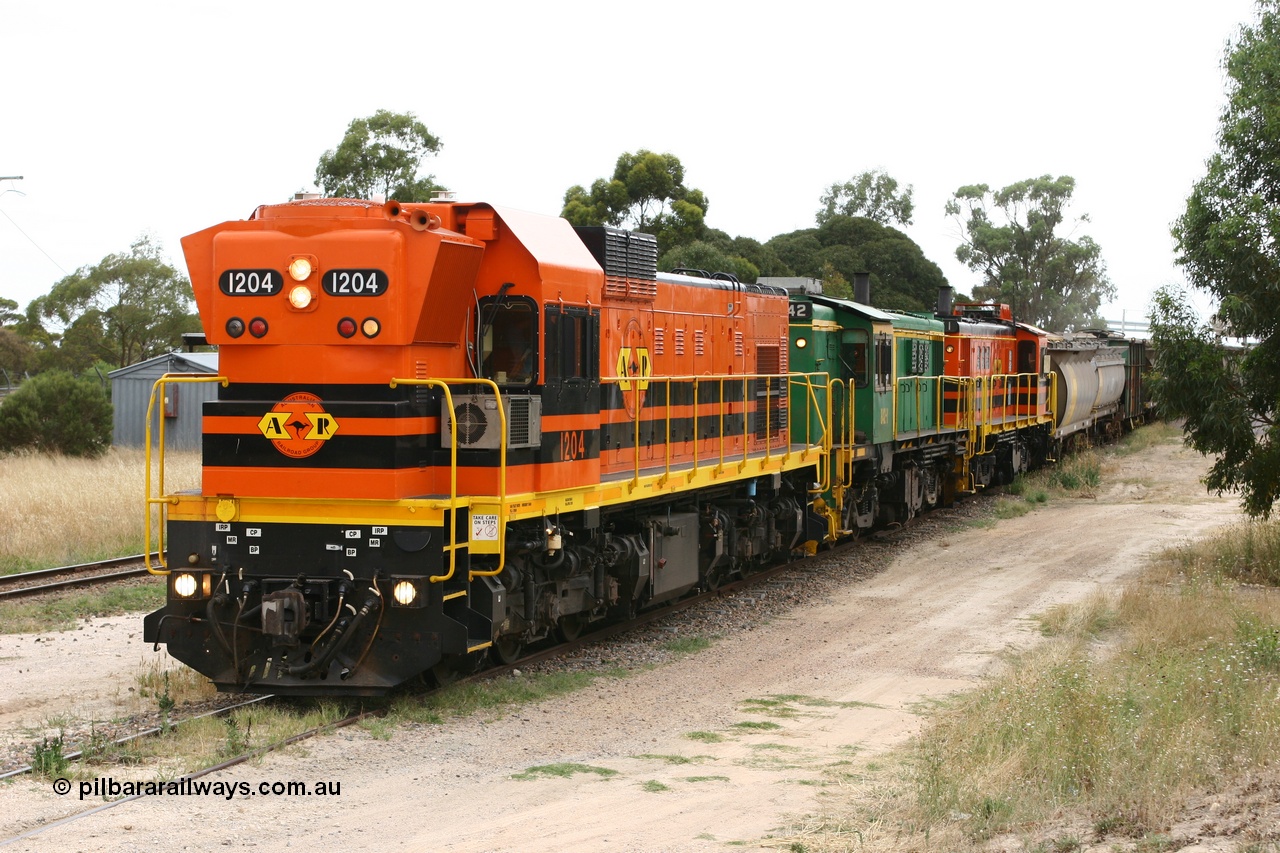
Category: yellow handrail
[636,418]
[454,504]
[160,384]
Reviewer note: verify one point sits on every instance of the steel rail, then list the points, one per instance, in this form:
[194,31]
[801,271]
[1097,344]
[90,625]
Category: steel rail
[24,584]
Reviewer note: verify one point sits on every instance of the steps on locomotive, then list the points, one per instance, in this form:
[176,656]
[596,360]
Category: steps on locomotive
[476,605]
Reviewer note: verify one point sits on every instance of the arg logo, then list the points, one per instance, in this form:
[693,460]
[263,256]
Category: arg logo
[298,425]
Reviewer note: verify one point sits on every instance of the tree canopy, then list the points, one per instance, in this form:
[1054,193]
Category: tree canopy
[902,278]
[380,154]
[128,307]
[1228,242]
[1011,238]
[646,193]
[57,413]
[872,194]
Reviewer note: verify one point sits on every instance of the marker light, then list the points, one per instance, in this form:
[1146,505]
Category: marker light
[257,327]
[405,592]
[346,327]
[801,343]
[299,295]
[370,327]
[235,327]
[300,269]
[184,585]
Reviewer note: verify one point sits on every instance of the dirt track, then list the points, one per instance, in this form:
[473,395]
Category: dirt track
[854,672]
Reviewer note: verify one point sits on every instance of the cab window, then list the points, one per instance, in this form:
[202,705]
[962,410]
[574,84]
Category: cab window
[509,341]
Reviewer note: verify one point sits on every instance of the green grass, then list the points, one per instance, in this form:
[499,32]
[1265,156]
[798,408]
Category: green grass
[705,737]
[61,611]
[675,759]
[686,645]
[752,724]
[563,770]
[654,787]
[1182,699]
[492,695]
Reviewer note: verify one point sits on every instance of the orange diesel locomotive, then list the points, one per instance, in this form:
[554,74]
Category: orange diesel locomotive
[445,430]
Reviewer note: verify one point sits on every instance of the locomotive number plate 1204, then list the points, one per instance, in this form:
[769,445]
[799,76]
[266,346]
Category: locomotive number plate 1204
[355,282]
[250,282]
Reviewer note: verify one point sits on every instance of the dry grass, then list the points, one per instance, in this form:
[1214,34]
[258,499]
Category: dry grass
[1137,703]
[58,510]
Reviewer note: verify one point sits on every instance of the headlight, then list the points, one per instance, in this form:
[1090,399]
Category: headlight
[300,269]
[185,585]
[405,593]
[300,296]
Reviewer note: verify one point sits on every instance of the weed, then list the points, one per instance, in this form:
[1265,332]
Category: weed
[1006,509]
[654,787]
[378,728]
[1260,641]
[706,778]
[165,703]
[47,759]
[461,700]
[237,740]
[751,724]
[563,770]
[674,759]
[686,645]
[705,737]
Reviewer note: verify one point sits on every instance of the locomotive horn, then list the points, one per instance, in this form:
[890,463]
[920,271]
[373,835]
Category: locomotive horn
[391,210]
[420,220]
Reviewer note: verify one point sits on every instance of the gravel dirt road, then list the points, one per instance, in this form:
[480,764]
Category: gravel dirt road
[714,751]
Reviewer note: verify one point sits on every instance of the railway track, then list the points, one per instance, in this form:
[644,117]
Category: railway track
[232,762]
[749,585]
[26,584]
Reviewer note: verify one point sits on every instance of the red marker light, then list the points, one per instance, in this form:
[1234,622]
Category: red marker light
[257,327]
[346,327]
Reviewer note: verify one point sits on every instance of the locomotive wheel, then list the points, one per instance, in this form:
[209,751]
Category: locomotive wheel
[715,577]
[506,649]
[444,674]
[570,627]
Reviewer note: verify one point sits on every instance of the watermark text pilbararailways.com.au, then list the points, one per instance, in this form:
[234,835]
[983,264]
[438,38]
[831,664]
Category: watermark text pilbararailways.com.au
[108,788]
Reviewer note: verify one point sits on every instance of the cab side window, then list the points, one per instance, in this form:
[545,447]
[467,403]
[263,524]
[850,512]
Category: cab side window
[853,345]
[509,341]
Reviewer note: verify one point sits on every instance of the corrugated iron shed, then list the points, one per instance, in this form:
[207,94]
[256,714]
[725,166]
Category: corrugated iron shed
[131,390]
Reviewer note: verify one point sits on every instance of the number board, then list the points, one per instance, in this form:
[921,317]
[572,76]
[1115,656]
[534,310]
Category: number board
[355,282]
[801,310]
[250,282]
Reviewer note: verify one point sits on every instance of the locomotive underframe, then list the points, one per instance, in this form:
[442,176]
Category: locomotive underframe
[322,607]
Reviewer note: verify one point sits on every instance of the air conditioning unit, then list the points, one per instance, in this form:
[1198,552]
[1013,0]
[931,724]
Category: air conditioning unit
[476,423]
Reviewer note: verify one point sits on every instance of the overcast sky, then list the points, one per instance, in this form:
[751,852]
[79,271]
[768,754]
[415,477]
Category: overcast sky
[164,118]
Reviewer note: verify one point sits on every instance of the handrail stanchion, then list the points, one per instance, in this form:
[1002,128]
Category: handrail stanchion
[148,501]
[454,504]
